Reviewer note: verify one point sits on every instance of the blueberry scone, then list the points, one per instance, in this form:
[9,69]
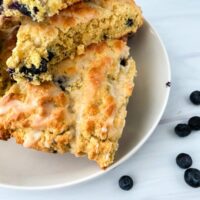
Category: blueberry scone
[82,111]
[8,31]
[38,10]
[67,34]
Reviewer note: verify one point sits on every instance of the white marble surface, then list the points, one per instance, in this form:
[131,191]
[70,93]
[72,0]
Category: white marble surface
[153,167]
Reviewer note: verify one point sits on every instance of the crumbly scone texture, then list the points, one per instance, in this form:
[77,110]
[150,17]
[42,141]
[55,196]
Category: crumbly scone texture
[82,111]
[8,31]
[68,34]
[36,9]
[8,23]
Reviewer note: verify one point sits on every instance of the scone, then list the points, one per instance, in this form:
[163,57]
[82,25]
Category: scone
[36,9]
[68,33]
[8,31]
[83,111]
[8,23]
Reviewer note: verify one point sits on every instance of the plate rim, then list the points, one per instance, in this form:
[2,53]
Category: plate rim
[125,157]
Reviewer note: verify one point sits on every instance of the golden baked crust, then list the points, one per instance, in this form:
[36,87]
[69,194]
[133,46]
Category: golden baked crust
[8,31]
[36,9]
[7,23]
[83,111]
[36,115]
[67,34]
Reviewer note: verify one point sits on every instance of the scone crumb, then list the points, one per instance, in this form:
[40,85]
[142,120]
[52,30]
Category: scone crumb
[80,49]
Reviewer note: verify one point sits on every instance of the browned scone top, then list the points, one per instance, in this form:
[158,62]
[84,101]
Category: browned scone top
[37,10]
[28,112]
[83,111]
[68,34]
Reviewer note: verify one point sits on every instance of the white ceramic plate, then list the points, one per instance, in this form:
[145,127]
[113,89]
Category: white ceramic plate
[29,169]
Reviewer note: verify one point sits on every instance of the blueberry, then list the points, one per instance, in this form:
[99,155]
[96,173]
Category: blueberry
[105,37]
[192,177]
[29,71]
[182,130]
[24,70]
[54,151]
[35,9]
[126,183]
[123,62]
[184,160]
[50,55]
[21,7]
[10,71]
[29,78]
[195,97]
[194,123]
[62,87]
[33,70]
[43,65]
[1,2]
[61,81]
[129,22]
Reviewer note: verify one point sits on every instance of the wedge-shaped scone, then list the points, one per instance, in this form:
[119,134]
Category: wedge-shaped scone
[64,35]
[83,111]
[36,9]
[8,31]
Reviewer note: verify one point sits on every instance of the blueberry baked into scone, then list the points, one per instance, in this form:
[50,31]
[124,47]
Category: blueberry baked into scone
[38,10]
[68,34]
[8,31]
[82,110]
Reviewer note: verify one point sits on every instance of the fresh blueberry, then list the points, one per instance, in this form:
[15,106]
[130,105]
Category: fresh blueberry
[1,2]
[129,22]
[21,7]
[194,123]
[192,177]
[195,97]
[126,183]
[182,130]
[123,62]
[184,160]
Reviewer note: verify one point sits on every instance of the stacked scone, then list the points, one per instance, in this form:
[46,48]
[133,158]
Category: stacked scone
[66,74]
